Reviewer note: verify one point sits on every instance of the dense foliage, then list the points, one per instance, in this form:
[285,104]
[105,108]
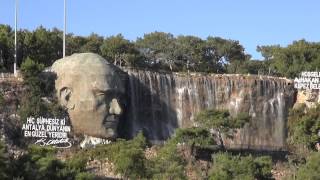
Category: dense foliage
[304,127]
[221,119]
[311,170]
[3,163]
[41,163]
[32,103]
[156,50]
[162,51]
[193,136]
[291,60]
[226,166]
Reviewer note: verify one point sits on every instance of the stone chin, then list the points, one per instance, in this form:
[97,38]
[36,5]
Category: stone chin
[92,91]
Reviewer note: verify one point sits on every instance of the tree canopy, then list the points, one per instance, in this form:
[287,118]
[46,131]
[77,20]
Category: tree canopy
[162,51]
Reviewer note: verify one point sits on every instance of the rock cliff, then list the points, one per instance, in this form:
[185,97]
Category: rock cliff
[159,103]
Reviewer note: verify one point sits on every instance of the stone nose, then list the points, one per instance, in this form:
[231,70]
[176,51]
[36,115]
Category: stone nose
[115,107]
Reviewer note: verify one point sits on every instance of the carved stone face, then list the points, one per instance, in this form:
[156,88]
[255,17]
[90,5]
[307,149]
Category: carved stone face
[91,89]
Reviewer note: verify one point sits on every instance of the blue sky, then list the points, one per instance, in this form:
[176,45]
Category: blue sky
[252,22]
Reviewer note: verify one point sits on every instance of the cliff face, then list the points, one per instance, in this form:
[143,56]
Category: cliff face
[159,103]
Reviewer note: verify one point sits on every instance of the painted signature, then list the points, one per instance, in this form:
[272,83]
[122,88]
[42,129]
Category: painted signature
[57,143]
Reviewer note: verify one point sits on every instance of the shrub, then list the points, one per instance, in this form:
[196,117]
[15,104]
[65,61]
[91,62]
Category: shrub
[32,103]
[226,166]
[304,126]
[168,164]
[3,163]
[30,68]
[41,163]
[311,170]
[127,156]
[84,176]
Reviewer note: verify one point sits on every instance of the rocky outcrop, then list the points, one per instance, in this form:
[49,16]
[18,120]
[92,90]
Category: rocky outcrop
[307,97]
[161,102]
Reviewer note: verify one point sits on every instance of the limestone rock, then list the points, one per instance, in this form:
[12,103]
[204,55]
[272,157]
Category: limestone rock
[162,102]
[90,141]
[307,97]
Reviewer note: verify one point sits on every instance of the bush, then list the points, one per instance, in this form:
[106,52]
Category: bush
[41,163]
[77,163]
[84,176]
[311,170]
[303,127]
[226,166]
[127,156]
[168,164]
[32,103]
[3,163]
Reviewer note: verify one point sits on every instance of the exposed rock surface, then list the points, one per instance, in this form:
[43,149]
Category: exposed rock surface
[308,97]
[160,102]
[90,142]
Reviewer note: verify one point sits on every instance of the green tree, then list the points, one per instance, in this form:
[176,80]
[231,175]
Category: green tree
[220,52]
[157,47]
[193,136]
[221,119]
[31,103]
[74,44]
[187,53]
[249,67]
[6,48]
[120,51]
[43,46]
[291,60]
[93,44]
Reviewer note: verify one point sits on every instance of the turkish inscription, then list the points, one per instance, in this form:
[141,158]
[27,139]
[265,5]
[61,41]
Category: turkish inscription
[48,131]
[308,80]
